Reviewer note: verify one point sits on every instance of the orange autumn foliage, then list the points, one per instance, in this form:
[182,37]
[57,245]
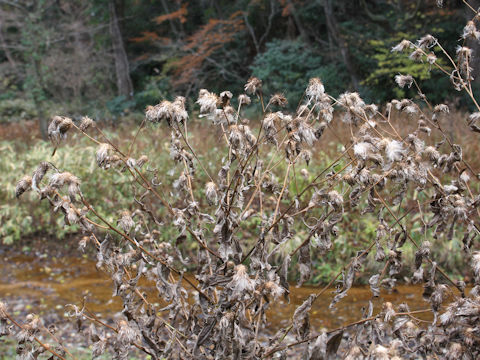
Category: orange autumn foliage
[150,36]
[179,14]
[212,36]
[199,46]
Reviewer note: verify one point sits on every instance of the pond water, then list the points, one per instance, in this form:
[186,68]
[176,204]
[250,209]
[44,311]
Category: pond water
[41,285]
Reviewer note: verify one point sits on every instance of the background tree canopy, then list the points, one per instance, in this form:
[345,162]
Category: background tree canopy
[108,58]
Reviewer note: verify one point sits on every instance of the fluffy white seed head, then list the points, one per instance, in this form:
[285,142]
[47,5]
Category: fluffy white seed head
[253,85]
[394,151]
[211,193]
[470,31]
[207,101]
[362,149]
[241,282]
[244,99]
[403,45]
[404,80]
[315,90]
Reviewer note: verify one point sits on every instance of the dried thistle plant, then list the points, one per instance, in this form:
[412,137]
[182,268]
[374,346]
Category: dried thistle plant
[221,311]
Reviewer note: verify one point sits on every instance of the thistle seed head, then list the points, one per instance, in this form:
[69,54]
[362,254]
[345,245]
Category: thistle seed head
[426,42]
[470,31]
[208,101]
[253,85]
[279,100]
[23,185]
[225,97]
[416,55]
[403,45]
[404,80]
[315,90]
[241,282]
[244,99]
[104,155]
[57,129]
[86,123]
[211,193]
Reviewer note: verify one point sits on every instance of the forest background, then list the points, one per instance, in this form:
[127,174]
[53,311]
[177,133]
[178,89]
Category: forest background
[109,59]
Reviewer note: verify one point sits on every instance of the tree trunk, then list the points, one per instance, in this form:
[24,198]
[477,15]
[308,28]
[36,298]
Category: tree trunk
[122,69]
[298,22]
[334,32]
[38,93]
[43,125]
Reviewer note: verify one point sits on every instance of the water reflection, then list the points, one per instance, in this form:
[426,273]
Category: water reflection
[50,283]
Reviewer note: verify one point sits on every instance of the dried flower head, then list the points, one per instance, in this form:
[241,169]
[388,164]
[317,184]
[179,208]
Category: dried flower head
[470,31]
[353,105]
[86,123]
[58,180]
[3,311]
[244,99]
[350,100]
[432,153]
[23,185]
[426,42]
[39,174]
[394,151]
[455,351]
[464,177]
[431,58]
[304,172]
[335,199]
[273,289]
[476,264]
[179,113]
[403,45]
[362,150]
[370,111]
[126,222]
[269,127]
[381,353]
[171,112]
[279,100]
[241,282]
[57,129]
[253,85]
[211,193]
[151,114]
[208,101]
[404,80]
[225,97]
[315,90]
[104,155]
[464,54]
[416,55]
[306,133]
[126,334]
[441,108]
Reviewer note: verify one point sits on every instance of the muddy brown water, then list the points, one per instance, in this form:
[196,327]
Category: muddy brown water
[47,284]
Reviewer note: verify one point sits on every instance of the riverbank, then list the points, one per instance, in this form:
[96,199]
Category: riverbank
[110,191]
[45,280]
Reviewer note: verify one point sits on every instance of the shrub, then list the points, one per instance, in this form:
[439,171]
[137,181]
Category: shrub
[287,65]
[17,109]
